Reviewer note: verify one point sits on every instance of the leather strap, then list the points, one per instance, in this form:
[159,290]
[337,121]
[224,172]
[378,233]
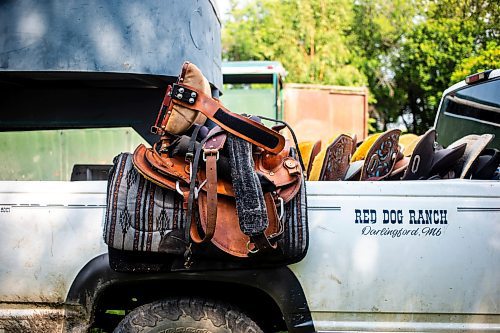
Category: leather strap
[236,124]
[163,114]
[211,167]
[166,106]
[192,142]
[191,231]
[211,155]
[261,242]
[273,215]
[211,147]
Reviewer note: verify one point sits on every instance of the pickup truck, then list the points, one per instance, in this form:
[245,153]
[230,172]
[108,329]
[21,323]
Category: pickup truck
[393,256]
[81,83]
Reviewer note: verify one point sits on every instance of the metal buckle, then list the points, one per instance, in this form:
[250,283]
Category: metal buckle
[250,250]
[178,188]
[210,153]
[282,208]
[198,189]
[155,129]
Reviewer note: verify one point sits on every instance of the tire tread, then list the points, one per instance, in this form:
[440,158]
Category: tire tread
[222,315]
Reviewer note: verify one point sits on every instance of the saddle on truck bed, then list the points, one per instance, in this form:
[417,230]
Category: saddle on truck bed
[215,185]
[389,156]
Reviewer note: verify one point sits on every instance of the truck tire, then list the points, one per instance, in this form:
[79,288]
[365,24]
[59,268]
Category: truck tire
[181,315]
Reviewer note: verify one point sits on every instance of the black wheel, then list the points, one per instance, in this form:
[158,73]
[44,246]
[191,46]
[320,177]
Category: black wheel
[183,315]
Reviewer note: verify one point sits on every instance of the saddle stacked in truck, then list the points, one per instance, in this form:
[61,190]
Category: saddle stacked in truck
[215,185]
[390,156]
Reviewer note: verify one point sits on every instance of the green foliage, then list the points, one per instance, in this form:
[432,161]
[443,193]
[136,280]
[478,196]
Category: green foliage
[306,36]
[406,51]
[450,35]
[488,58]
[376,33]
[426,61]
[371,126]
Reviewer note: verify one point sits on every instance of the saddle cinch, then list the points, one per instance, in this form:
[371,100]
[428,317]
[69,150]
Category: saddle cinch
[237,186]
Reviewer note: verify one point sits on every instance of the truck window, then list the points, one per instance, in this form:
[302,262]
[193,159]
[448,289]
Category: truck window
[53,154]
[471,110]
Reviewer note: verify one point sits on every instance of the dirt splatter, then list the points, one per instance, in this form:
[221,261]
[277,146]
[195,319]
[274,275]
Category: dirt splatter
[35,323]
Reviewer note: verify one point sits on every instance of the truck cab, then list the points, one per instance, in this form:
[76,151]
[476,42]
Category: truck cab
[471,106]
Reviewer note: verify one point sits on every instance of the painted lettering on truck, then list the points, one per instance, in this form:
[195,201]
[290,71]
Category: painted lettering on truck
[405,220]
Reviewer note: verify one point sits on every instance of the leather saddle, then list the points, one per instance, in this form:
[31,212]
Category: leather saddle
[467,157]
[375,158]
[474,156]
[332,162]
[309,150]
[391,156]
[237,171]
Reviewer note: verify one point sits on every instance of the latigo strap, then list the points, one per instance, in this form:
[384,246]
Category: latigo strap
[211,146]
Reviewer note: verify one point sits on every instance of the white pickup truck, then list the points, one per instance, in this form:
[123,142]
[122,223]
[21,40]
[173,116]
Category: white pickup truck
[387,256]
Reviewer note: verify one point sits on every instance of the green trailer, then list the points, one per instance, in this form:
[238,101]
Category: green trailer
[254,87]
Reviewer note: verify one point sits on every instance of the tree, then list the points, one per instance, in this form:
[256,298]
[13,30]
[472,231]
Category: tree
[406,51]
[427,59]
[438,46]
[376,33]
[489,58]
[308,37]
